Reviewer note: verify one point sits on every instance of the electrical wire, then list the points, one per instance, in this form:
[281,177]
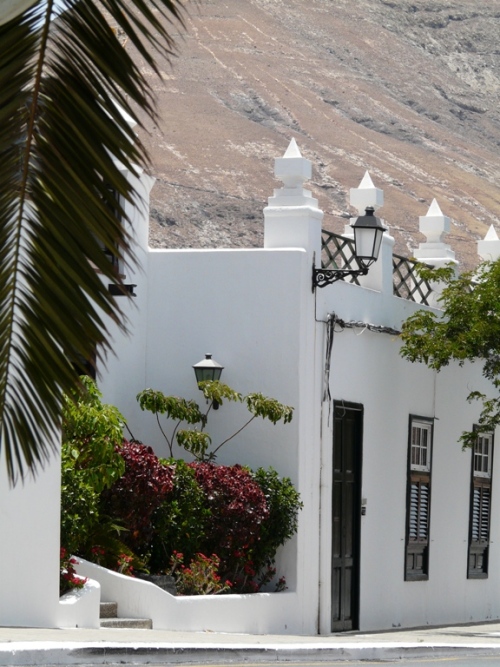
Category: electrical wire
[332,321]
[377,328]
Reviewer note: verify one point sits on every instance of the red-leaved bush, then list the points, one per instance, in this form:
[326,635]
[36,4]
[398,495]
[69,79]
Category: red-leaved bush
[138,493]
[216,519]
[237,509]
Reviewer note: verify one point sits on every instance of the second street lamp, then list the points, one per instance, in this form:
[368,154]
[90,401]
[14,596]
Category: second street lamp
[368,232]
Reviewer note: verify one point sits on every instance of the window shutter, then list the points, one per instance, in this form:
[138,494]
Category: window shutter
[485,514]
[419,511]
[423,523]
[480,506]
[480,513]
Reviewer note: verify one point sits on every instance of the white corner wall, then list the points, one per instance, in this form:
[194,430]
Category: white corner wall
[80,607]
[366,368]
[258,613]
[29,529]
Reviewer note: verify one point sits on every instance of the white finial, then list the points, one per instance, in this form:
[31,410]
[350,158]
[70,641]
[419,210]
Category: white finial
[434,209]
[491,234]
[366,181]
[366,195]
[489,248]
[292,150]
[292,168]
[434,225]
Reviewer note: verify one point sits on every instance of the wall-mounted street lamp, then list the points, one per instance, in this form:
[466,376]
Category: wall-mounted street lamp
[368,232]
[208,369]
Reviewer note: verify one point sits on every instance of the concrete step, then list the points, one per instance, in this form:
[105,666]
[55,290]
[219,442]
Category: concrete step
[108,610]
[137,623]
[109,618]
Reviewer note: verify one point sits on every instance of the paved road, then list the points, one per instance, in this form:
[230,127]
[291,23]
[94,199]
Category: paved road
[471,661]
[474,644]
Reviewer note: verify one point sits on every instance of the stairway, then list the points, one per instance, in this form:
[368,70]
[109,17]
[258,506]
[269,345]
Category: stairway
[109,618]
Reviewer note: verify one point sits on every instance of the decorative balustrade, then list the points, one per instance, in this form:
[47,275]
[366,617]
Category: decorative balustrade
[406,281]
[337,252]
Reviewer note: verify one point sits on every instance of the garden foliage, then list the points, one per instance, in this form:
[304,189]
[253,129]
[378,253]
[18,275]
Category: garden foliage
[216,527]
[196,440]
[92,433]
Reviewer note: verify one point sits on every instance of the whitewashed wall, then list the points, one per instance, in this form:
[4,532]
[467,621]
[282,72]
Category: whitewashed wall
[29,560]
[222,302]
[366,368]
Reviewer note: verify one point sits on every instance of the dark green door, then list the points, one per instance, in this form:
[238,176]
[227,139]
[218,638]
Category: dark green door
[346,513]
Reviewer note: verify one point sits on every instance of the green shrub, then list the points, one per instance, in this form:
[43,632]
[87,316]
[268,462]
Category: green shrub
[283,503]
[134,498]
[180,522]
[91,433]
[201,577]
[196,440]
[127,510]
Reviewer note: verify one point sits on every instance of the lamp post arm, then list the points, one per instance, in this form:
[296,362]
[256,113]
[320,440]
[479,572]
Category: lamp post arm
[323,277]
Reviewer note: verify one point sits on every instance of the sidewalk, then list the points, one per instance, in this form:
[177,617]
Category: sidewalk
[22,646]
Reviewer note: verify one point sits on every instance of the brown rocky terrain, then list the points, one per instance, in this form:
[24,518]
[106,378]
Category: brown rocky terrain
[409,90]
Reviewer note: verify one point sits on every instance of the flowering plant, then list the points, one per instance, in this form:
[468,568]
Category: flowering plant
[125,564]
[201,577]
[69,579]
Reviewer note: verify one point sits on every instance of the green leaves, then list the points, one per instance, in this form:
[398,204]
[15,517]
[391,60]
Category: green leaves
[269,408]
[196,441]
[68,89]
[90,463]
[217,391]
[172,406]
[92,432]
[468,329]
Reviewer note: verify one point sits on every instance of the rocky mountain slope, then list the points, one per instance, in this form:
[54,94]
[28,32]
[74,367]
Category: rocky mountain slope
[409,90]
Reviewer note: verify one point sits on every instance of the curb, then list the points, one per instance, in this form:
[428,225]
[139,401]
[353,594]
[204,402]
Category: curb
[43,653]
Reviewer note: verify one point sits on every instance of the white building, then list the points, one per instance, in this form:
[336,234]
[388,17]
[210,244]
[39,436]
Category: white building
[391,501]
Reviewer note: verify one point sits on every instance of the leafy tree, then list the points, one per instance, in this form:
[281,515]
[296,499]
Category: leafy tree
[468,329]
[92,436]
[197,441]
[64,144]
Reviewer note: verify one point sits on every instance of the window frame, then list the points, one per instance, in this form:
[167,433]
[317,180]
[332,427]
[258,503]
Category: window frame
[482,483]
[418,475]
[426,427]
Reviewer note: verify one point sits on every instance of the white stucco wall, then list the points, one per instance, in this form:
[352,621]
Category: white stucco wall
[258,613]
[29,555]
[249,309]
[366,368]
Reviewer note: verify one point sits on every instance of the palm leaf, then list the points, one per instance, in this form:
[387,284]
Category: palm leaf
[64,143]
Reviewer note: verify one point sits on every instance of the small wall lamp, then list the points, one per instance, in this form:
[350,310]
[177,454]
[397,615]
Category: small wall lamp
[208,369]
[368,232]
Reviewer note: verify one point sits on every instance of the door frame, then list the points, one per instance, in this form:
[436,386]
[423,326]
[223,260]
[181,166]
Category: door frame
[357,510]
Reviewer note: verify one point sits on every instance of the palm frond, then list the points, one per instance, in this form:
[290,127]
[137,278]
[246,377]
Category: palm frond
[64,141]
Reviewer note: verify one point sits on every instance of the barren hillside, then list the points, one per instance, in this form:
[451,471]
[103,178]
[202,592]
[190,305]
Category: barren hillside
[408,90]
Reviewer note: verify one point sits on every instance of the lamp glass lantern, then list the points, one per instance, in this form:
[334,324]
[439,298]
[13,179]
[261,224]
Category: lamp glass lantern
[368,233]
[207,369]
